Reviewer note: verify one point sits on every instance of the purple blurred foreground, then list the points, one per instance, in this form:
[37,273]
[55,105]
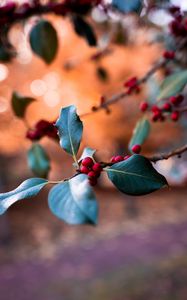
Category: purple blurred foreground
[129,256]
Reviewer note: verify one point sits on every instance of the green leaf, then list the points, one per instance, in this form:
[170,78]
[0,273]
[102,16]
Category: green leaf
[28,188]
[44,41]
[70,130]
[172,85]
[84,29]
[38,161]
[140,133]
[136,176]
[128,6]
[74,202]
[20,104]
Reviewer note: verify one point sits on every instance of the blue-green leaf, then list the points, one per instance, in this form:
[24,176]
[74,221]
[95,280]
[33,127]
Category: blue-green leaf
[44,41]
[128,6]
[20,104]
[140,133]
[28,188]
[74,202]
[172,85]
[38,161]
[136,176]
[70,130]
[87,152]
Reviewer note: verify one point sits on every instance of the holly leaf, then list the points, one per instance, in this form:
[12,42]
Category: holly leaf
[172,85]
[44,41]
[74,202]
[140,133]
[38,161]
[136,176]
[70,130]
[128,6]
[28,188]
[87,152]
[20,103]
[83,29]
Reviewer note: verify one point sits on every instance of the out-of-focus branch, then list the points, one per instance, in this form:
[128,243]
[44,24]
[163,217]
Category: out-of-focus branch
[176,152]
[117,97]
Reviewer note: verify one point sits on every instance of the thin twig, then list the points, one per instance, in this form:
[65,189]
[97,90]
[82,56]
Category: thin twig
[176,152]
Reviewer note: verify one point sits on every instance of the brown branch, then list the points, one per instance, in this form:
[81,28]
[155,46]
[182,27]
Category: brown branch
[176,152]
[117,97]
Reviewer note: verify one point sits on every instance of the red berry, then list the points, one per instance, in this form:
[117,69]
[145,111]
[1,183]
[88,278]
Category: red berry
[166,106]
[8,8]
[169,54]
[136,149]
[143,106]
[131,83]
[126,157]
[87,162]
[118,158]
[155,108]
[84,170]
[176,100]
[180,98]
[33,135]
[175,116]
[92,174]
[97,167]
[113,159]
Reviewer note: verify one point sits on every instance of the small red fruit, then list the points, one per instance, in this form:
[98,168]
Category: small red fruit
[126,157]
[118,158]
[169,54]
[33,135]
[84,170]
[166,106]
[93,181]
[143,106]
[175,116]
[97,167]
[87,162]
[92,174]
[155,108]
[112,159]
[136,149]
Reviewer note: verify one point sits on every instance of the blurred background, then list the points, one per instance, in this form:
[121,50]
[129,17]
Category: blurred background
[138,251]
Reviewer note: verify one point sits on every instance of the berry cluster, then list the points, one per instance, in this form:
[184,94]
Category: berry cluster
[41,129]
[160,113]
[132,85]
[11,11]
[117,158]
[93,170]
[178,26]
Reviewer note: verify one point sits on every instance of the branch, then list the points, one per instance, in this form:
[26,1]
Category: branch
[117,97]
[178,152]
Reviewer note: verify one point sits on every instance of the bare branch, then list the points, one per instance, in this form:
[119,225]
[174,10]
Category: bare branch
[176,152]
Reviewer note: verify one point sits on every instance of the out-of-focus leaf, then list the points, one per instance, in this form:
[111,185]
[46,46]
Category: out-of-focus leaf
[128,6]
[38,161]
[44,41]
[84,29]
[172,85]
[20,104]
[140,133]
